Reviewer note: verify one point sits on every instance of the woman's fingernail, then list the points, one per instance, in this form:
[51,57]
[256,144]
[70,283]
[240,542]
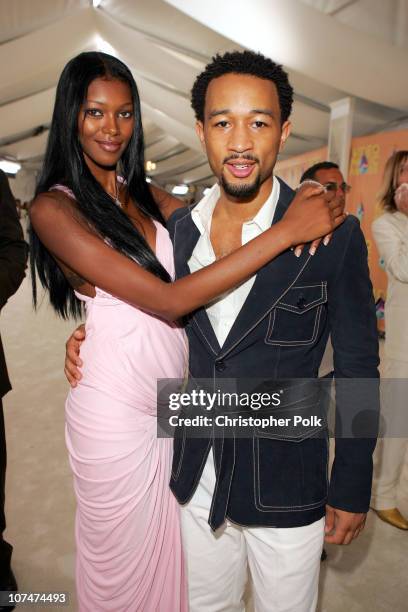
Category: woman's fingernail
[312,250]
[326,241]
[298,252]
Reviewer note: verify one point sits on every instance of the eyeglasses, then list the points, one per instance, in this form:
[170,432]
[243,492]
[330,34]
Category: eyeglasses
[333,186]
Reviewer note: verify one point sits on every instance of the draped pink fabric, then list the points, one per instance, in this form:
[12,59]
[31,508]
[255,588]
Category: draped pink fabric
[129,553]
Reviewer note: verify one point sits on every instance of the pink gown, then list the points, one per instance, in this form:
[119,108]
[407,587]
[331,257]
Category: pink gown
[129,552]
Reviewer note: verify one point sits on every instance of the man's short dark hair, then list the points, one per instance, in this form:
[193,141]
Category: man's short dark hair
[243,62]
[310,173]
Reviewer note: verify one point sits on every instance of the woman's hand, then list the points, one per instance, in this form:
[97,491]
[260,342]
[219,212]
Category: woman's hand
[312,215]
[313,247]
[72,360]
[401,198]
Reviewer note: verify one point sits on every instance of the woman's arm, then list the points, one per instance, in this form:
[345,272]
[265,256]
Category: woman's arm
[166,202]
[54,220]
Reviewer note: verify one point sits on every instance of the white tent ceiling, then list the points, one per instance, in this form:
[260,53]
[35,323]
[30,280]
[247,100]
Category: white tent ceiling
[331,48]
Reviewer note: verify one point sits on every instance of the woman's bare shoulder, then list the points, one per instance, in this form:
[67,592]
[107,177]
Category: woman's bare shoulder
[54,206]
[49,201]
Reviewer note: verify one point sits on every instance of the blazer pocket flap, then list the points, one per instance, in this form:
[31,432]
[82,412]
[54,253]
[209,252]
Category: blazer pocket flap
[300,299]
[292,425]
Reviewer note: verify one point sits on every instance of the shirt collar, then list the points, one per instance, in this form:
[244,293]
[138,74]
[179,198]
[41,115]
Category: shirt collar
[202,213]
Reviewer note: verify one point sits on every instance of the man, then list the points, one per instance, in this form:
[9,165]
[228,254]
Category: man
[328,174]
[13,256]
[265,497]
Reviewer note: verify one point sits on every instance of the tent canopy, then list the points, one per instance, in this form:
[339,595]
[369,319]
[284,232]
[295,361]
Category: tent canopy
[331,49]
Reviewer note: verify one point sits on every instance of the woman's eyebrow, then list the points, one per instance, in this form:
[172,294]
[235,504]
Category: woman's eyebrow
[128,103]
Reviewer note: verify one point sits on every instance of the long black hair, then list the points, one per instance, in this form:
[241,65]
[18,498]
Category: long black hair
[64,163]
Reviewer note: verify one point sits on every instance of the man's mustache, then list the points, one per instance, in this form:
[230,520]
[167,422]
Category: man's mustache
[247,156]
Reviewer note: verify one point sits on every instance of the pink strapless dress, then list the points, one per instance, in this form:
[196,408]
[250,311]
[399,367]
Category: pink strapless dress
[129,552]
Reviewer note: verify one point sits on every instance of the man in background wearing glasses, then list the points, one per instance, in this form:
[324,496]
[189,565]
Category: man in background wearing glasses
[329,175]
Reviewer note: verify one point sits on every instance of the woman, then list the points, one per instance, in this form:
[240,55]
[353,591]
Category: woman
[391,236]
[99,239]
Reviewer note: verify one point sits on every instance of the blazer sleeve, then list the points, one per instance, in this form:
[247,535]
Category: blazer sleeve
[13,248]
[354,336]
[392,246]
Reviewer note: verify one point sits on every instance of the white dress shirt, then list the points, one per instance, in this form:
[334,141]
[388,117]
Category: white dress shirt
[223,311]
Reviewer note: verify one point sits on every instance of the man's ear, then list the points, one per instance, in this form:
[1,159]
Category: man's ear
[199,128]
[286,130]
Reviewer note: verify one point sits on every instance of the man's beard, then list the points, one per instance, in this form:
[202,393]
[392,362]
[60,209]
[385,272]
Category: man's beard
[243,191]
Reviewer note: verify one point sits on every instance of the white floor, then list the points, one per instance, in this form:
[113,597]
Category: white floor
[368,576]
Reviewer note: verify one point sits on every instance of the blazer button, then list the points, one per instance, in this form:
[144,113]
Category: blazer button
[301,302]
[220,366]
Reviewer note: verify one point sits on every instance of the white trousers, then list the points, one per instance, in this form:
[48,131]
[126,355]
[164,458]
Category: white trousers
[390,480]
[283,563]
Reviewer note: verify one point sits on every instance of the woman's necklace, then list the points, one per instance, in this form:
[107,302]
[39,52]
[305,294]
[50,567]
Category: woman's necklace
[117,193]
[115,196]
[135,219]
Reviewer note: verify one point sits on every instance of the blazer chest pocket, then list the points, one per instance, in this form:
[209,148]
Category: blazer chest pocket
[296,319]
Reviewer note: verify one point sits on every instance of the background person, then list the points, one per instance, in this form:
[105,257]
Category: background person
[328,174]
[13,257]
[391,236]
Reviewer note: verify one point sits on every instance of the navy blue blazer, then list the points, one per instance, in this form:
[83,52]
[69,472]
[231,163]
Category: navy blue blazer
[281,333]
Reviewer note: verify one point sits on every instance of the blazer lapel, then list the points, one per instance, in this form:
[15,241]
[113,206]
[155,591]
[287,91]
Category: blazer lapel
[271,283]
[186,235]
[185,238]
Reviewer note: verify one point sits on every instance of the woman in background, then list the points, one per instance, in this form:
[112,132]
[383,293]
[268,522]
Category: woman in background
[98,238]
[391,236]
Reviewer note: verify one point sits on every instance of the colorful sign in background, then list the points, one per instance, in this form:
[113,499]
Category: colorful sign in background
[369,155]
